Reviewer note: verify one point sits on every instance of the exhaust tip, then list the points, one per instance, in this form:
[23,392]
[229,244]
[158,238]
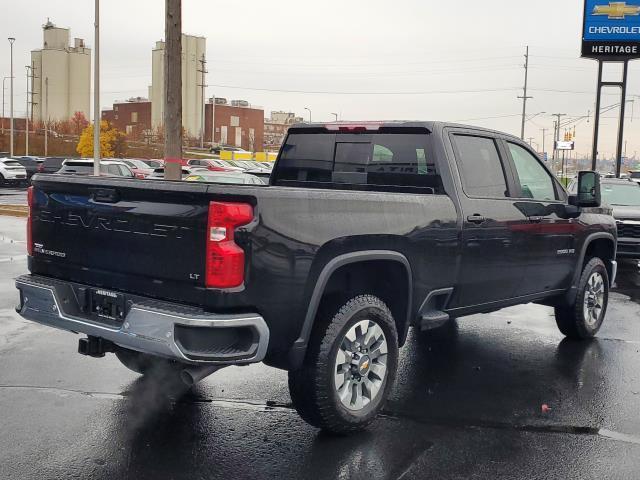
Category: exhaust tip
[192,375]
[187,378]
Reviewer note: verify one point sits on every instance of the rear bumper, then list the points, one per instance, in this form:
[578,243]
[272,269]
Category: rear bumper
[170,330]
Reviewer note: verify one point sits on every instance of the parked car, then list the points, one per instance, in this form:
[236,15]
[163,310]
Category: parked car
[108,168]
[635,175]
[12,172]
[226,165]
[139,168]
[623,195]
[209,165]
[363,232]
[158,173]
[51,164]
[30,164]
[224,177]
[229,148]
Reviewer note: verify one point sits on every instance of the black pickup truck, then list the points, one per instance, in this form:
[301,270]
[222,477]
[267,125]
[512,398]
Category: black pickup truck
[364,231]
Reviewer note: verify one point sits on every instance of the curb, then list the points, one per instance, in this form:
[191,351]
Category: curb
[14,210]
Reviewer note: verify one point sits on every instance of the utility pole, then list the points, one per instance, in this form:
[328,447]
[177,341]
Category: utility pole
[213,120]
[530,139]
[556,135]
[524,96]
[96,92]
[26,115]
[544,130]
[203,63]
[46,117]
[11,40]
[173,90]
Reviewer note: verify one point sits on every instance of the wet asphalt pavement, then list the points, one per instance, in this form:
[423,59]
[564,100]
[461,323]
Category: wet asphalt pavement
[466,404]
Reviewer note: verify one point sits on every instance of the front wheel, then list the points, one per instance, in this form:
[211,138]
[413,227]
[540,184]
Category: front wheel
[350,366]
[584,318]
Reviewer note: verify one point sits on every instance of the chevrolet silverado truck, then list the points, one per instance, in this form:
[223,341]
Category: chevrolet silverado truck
[363,231]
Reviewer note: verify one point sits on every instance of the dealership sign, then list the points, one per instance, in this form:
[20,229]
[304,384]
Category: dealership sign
[565,145]
[611,30]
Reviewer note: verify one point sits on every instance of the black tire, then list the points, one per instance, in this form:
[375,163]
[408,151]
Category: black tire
[571,320]
[146,364]
[312,387]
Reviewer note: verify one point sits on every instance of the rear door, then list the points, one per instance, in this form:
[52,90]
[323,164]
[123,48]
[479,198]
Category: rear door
[491,270]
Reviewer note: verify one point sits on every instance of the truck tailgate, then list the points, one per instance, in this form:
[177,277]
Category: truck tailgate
[147,237]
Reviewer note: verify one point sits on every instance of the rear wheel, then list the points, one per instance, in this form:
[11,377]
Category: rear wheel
[350,366]
[584,318]
[146,364]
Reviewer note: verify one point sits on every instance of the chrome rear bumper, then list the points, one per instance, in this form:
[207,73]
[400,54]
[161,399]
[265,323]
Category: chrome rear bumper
[159,328]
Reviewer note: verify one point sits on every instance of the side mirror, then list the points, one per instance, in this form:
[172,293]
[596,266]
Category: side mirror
[588,190]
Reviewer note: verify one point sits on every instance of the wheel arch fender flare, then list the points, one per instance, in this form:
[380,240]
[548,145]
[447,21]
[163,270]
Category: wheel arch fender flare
[573,290]
[299,347]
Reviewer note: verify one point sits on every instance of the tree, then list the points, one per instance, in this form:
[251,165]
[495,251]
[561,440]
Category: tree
[112,142]
[79,122]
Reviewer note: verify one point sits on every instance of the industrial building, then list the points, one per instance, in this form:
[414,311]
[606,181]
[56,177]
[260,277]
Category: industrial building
[61,76]
[193,51]
[132,116]
[236,123]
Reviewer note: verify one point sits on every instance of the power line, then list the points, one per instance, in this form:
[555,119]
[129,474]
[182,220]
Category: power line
[318,92]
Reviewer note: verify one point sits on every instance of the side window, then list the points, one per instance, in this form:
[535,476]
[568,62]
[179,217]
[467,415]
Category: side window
[480,167]
[535,181]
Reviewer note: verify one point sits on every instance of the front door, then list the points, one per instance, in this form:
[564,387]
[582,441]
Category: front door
[547,239]
[489,268]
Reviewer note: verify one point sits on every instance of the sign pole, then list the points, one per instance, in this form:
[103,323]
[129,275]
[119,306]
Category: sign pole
[621,124]
[596,121]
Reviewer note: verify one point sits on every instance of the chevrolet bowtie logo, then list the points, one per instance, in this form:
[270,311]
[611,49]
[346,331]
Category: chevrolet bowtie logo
[616,10]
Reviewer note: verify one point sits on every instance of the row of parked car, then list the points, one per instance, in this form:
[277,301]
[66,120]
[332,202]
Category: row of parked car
[19,170]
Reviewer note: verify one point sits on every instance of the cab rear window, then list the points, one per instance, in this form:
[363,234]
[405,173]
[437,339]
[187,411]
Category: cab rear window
[382,160]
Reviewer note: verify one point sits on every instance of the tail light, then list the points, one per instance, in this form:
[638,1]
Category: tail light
[29,221]
[225,259]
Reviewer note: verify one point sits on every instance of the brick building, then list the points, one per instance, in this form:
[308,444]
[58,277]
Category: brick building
[132,117]
[276,127]
[237,124]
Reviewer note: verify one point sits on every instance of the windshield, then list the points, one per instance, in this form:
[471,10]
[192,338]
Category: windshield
[634,174]
[620,194]
[136,164]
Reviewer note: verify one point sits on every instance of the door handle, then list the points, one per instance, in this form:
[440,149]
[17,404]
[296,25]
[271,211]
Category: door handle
[535,218]
[476,218]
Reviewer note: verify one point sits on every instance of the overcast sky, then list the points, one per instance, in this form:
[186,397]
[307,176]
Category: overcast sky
[364,59]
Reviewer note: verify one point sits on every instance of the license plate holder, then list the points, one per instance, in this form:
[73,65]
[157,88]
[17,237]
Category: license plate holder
[107,305]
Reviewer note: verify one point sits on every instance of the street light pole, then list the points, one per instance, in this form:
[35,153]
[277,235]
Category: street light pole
[309,110]
[96,92]
[335,115]
[3,89]
[11,40]
[26,116]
